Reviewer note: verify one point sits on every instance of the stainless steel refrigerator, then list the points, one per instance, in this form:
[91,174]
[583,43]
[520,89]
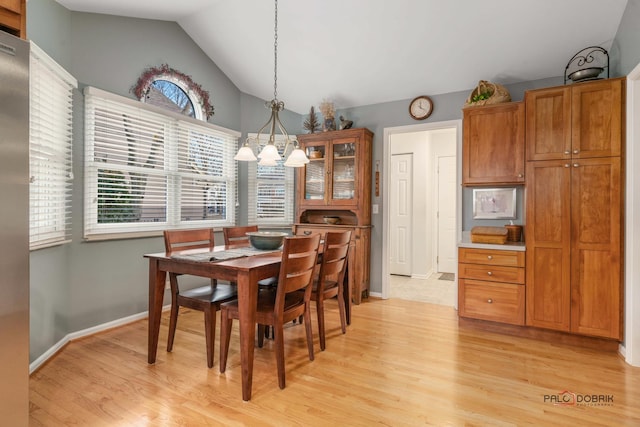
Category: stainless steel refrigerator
[14,231]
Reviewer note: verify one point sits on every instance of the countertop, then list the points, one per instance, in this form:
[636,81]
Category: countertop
[465,242]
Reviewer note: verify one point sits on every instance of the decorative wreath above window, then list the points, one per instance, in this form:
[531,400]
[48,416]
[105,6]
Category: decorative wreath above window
[165,87]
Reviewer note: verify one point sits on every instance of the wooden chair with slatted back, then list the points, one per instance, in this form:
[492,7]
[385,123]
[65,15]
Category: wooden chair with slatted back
[330,280]
[237,236]
[204,298]
[291,299]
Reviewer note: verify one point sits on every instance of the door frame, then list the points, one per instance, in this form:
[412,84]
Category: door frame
[630,348]
[386,162]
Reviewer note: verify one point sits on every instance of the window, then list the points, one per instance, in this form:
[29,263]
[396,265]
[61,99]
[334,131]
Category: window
[271,192]
[147,170]
[50,141]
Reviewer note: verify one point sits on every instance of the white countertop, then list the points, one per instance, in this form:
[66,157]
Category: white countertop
[509,246]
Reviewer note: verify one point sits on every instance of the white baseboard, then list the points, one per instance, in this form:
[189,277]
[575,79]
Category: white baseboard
[84,333]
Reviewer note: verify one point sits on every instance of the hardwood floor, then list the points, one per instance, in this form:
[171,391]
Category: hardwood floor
[401,363]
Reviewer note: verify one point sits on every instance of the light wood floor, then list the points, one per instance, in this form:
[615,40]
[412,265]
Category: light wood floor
[401,363]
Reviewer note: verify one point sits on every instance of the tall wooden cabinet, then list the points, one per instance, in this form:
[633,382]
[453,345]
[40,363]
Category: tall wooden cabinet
[337,182]
[574,208]
[13,17]
[493,144]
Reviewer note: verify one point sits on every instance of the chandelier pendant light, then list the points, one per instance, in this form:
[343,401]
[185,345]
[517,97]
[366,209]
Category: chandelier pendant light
[269,155]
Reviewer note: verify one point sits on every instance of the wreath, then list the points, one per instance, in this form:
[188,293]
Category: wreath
[142,86]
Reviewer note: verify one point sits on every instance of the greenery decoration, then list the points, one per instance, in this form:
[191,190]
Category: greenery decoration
[312,124]
[141,88]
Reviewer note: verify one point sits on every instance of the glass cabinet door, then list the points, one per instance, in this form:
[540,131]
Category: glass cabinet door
[315,172]
[344,171]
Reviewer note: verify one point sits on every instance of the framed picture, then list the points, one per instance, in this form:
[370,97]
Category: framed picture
[494,203]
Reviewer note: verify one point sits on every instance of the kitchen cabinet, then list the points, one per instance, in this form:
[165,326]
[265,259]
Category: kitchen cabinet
[337,182]
[491,285]
[578,121]
[574,196]
[493,144]
[13,17]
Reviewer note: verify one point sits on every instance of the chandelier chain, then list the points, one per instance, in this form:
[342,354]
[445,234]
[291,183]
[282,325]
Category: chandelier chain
[275,54]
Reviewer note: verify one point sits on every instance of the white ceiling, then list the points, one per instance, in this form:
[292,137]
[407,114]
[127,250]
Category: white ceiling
[361,52]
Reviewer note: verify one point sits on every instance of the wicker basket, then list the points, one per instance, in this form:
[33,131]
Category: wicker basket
[497,94]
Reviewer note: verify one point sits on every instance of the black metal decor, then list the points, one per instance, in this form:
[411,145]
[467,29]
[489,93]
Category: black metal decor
[587,64]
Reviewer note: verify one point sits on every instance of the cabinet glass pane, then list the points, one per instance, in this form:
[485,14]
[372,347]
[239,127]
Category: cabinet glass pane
[315,173]
[343,171]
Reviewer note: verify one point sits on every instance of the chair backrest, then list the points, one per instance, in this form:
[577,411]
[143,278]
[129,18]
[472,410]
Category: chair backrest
[334,256]
[299,258]
[177,240]
[237,236]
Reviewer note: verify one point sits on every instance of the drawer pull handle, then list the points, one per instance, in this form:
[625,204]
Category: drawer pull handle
[489,300]
[307,233]
[489,273]
[489,257]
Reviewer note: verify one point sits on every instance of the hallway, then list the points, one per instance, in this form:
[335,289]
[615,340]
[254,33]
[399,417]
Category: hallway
[432,290]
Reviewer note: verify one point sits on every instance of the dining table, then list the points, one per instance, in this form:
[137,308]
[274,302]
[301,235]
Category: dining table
[246,268]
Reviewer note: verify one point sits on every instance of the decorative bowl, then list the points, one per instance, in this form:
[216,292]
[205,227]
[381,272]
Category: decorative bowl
[266,240]
[331,219]
[586,74]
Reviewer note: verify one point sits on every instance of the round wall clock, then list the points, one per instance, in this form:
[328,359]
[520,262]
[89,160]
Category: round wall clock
[421,107]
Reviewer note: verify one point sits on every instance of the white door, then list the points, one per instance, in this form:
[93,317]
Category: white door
[446,217]
[401,187]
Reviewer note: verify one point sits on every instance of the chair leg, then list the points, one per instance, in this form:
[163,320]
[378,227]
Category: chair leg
[307,327]
[210,332]
[343,313]
[320,314]
[173,321]
[261,334]
[225,337]
[279,349]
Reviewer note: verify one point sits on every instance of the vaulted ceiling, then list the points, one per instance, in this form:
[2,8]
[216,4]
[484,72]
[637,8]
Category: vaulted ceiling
[360,52]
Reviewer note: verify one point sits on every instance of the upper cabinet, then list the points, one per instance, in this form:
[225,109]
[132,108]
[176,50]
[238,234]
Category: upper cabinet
[493,144]
[13,17]
[583,120]
[338,175]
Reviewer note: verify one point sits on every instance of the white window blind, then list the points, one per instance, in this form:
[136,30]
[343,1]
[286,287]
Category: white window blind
[270,193]
[50,142]
[147,169]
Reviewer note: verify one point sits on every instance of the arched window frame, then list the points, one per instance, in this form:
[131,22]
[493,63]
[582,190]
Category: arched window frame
[198,96]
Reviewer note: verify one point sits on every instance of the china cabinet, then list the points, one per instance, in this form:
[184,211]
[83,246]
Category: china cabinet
[337,183]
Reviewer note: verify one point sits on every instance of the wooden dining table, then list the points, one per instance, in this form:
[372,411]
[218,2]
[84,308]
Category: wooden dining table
[246,271]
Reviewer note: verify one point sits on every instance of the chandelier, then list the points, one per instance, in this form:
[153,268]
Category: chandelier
[269,155]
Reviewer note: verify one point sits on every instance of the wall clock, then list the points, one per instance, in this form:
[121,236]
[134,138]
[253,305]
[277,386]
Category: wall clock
[421,107]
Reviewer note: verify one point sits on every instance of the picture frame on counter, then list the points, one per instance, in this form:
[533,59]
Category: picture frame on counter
[494,203]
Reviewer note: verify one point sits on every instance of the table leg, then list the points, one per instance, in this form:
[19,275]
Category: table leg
[247,303]
[156,295]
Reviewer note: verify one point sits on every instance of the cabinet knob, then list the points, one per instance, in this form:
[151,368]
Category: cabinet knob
[576,151]
[489,257]
[489,273]
[490,301]
[567,152]
[566,165]
[520,175]
[575,165]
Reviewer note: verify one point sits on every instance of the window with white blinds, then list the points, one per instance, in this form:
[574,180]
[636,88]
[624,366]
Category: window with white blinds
[147,169]
[270,193]
[50,141]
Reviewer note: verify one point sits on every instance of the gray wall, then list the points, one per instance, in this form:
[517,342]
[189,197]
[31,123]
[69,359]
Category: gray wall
[81,285]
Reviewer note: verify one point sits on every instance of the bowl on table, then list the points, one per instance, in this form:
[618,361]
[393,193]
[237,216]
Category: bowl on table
[266,240]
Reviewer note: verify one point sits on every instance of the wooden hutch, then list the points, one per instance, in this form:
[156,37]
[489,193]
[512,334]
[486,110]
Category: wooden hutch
[336,183]
[13,17]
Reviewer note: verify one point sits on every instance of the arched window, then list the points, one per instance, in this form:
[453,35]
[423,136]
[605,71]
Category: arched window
[170,89]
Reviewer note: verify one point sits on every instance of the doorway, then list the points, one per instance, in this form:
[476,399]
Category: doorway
[420,234]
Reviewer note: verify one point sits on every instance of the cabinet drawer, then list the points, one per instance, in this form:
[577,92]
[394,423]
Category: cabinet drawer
[491,257]
[498,302]
[492,273]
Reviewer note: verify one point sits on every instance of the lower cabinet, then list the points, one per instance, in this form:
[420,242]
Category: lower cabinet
[359,255]
[491,285]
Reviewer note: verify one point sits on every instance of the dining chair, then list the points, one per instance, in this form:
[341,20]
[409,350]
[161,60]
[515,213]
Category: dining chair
[329,282]
[204,298]
[290,300]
